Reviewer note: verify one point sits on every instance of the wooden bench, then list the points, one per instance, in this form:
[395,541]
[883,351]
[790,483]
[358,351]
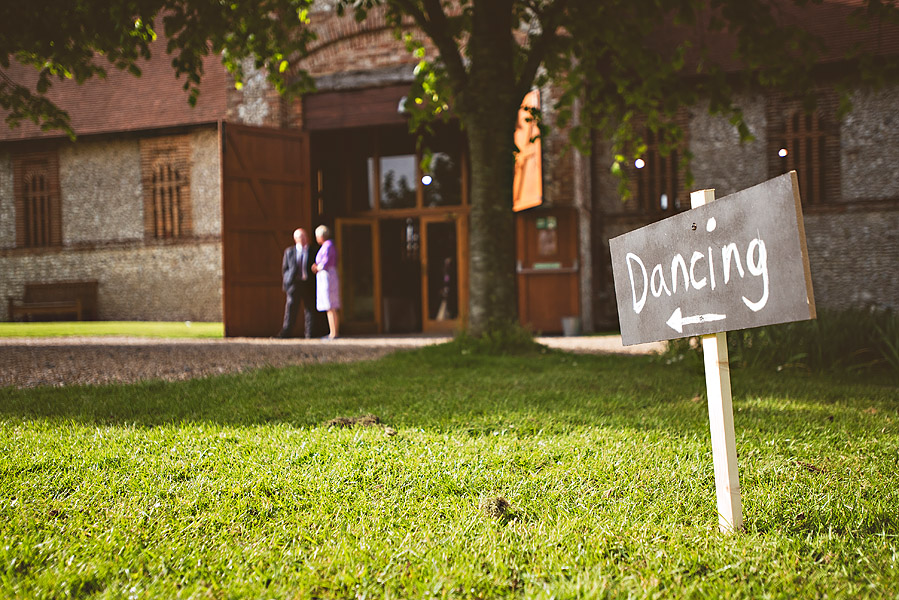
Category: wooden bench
[59,299]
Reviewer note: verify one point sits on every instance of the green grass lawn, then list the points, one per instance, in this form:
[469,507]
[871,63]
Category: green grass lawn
[175,329]
[235,487]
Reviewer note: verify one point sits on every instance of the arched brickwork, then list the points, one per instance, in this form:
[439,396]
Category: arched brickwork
[344,44]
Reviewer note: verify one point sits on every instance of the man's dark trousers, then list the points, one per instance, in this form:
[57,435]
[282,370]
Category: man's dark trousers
[298,291]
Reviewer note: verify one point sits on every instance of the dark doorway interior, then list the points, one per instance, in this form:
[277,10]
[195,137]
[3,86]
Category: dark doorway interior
[443,273]
[401,275]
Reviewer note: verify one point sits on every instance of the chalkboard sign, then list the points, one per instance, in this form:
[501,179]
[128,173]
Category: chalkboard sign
[735,263]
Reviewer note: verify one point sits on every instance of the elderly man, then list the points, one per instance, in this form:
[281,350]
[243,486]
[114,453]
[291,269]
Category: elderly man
[298,282]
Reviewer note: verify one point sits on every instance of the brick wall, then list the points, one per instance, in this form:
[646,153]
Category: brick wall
[366,50]
[558,156]
[342,46]
[346,45]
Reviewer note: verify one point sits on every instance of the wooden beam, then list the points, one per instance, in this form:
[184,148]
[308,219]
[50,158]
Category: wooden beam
[721,416]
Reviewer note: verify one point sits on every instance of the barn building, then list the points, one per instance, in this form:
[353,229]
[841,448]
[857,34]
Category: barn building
[168,212]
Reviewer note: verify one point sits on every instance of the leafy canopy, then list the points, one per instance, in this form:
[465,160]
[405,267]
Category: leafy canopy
[619,61]
[80,39]
[628,66]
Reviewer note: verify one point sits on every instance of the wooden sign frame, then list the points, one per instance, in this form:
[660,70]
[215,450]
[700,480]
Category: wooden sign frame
[736,263]
[766,220]
[721,417]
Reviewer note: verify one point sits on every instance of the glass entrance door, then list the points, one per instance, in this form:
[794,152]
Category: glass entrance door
[359,265]
[380,262]
[443,281]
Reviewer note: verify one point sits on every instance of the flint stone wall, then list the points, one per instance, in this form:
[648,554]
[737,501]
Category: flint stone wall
[7,205]
[869,138]
[136,283]
[853,242]
[103,235]
[854,259]
[853,253]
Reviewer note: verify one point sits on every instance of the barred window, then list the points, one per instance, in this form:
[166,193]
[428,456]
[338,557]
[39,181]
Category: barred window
[657,179]
[654,178]
[808,143]
[168,216]
[165,167]
[38,211]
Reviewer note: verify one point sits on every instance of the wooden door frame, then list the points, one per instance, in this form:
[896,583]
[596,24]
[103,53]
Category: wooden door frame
[429,325]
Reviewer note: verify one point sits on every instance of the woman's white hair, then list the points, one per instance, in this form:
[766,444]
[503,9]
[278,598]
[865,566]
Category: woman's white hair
[323,232]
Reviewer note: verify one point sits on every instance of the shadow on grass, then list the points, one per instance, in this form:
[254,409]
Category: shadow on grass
[439,388]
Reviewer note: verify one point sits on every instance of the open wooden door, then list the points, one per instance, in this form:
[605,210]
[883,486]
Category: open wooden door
[265,196]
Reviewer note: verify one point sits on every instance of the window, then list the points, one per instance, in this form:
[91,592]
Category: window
[805,142]
[656,182]
[38,210]
[168,216]
[380,169]
[394,171]
[166,187]
[442,182]
[397,180]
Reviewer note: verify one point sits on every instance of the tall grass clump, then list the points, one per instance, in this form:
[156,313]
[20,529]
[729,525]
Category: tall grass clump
[510,341]
[851,340]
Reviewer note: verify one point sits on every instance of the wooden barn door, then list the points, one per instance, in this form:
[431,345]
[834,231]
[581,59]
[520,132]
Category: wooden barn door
[265,196]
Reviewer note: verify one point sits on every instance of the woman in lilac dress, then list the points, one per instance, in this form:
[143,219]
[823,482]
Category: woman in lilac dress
[327,286]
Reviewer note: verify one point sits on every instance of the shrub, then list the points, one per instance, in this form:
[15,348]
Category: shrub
[513,340]
[852,340]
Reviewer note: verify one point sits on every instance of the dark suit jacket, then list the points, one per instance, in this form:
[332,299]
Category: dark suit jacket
[290,270]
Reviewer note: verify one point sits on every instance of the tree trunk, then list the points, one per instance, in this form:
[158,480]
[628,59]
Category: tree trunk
[492,298]
[489,113]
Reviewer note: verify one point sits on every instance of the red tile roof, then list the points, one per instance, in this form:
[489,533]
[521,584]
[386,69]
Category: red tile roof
[122,102]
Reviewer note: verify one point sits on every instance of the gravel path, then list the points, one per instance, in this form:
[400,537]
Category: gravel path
[30,362]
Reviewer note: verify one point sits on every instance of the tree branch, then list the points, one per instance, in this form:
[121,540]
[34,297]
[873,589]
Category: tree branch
[548,35]
[436,25]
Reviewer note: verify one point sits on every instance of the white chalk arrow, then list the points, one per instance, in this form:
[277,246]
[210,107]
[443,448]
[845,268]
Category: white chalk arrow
[677,322]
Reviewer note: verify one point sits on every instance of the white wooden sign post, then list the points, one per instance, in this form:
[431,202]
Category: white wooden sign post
[734,263]
[721,416]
